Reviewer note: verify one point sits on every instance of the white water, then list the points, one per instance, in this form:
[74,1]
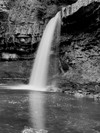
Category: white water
[38,79]
[40,67]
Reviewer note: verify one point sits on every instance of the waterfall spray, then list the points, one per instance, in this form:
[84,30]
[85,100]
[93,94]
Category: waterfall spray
[40,67]
[38,79]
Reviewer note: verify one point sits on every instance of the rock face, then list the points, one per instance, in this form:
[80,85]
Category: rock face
[28,16]
[80,46]
[70,9]
[79,50]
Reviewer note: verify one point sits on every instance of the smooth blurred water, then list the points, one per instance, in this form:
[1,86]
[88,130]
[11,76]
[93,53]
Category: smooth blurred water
[41,64]
[63,113]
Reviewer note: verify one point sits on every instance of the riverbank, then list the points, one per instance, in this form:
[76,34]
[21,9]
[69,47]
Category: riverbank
[89,90]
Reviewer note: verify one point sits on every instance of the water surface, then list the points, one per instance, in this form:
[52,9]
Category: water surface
[63,113]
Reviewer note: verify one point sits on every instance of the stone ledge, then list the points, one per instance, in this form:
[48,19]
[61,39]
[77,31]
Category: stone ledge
[71,9]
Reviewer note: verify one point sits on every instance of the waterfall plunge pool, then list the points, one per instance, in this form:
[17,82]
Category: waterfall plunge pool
[60,113]
[26,111]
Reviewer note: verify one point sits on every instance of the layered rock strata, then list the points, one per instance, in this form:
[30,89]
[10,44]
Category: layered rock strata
[80,47]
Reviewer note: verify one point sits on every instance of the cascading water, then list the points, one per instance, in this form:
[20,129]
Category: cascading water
[38,79]
[40,67]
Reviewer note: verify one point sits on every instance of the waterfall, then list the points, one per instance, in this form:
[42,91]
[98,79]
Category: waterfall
[40,67]
[39,74]
[38,79]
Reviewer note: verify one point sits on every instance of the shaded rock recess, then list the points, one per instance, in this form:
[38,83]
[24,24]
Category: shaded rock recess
[79,49]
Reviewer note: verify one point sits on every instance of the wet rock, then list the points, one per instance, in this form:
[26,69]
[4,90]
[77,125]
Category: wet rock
[79,95]
[79,48]
[29,15]
[71,9]
[9,56]
[53,89]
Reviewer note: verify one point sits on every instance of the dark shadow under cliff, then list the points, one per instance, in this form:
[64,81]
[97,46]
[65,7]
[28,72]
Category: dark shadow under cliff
[79,49]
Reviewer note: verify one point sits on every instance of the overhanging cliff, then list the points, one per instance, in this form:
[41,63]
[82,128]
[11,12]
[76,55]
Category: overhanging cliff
[80,45]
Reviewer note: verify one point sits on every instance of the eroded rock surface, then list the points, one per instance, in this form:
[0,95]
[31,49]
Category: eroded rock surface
[80,46]
[29,17]
[79,49]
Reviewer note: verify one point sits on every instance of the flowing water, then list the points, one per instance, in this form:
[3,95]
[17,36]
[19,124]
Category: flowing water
[38,79]
[41,112]
[40,67]
[39,74]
